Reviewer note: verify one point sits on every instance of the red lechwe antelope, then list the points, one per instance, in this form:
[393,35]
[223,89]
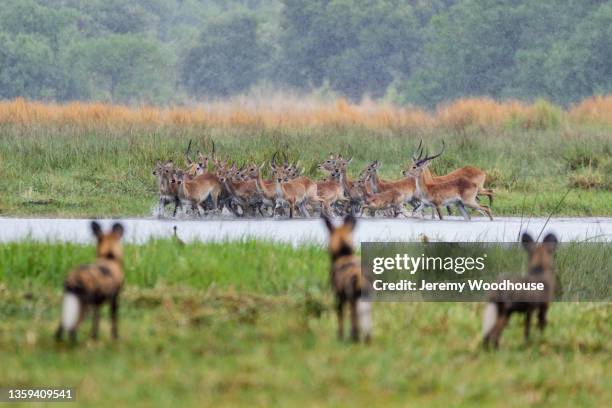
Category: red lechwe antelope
[168,192]
[474,174]
[265,188]
[241,191]
[405,187]
[331,192]
[287,191]
[459,191]
[94,284]
[197,189]
[390,199]
[502,304]
[348,283]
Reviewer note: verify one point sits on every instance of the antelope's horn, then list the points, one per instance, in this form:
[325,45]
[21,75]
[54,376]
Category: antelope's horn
[428,158]
[419,151]
[274,158]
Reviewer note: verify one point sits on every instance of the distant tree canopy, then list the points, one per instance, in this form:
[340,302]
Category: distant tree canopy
[226,58]
[411,51]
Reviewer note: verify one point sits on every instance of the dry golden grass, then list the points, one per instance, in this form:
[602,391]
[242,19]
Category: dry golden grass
[286,111]
[597,109]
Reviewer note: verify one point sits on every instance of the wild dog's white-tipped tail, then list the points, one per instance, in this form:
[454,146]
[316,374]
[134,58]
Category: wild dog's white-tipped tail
[71,308]
[488,318]
[364,313]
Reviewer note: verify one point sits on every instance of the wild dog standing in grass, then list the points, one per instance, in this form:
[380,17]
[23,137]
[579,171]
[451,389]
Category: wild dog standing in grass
[348,283]
[540,269]
[168,192]
[90,286]
[460,191]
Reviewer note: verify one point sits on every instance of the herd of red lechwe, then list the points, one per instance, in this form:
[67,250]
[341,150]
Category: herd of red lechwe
[208,185]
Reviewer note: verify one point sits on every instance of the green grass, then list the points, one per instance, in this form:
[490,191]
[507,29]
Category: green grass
[200,328]
[53,171]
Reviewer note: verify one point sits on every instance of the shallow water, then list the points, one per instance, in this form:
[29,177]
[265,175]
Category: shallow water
[503,229]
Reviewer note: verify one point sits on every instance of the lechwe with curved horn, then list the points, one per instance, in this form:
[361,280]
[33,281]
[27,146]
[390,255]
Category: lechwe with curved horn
[459,191]
[474,174]
[287,191]
[294,174]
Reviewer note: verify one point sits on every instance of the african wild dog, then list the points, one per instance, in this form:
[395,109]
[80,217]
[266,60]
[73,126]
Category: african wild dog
[89,286]
[348,283]
[502,304]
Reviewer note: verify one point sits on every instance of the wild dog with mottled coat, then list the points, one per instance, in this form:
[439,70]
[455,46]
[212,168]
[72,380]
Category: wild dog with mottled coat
[348,283]
[90,286]
[502,304]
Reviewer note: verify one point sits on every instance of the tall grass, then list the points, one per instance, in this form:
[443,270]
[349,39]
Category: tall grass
[253,324]
[275,111]
[96,160]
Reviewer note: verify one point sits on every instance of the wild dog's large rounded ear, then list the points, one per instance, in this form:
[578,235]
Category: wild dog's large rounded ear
[328,222]
[350,220]
[527,241]
[96,229]
[551,241]
[117,230]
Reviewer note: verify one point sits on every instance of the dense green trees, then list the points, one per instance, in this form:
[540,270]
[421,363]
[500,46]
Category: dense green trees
[412,51]
[226,59]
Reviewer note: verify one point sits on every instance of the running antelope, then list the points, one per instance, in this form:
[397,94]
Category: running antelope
[459,191]
[503,303]
[288,192]
[90,286]
[331,192]
[265,188]
[242,193]
[168,192]
[390,199]
[294,174]
[196,190]
[348,283]
[406,187]
[474,174]
[351,188]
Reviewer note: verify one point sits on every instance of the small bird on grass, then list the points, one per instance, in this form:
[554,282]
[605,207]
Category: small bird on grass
[424,238]
[177,239]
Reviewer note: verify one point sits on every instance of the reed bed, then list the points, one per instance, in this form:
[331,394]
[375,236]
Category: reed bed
[293,112]
[95,159]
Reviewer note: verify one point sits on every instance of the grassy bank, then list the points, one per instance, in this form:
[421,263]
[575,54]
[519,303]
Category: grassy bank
[200,329]
[77,160]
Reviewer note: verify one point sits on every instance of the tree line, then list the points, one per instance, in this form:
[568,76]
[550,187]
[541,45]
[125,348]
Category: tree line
[420,52]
